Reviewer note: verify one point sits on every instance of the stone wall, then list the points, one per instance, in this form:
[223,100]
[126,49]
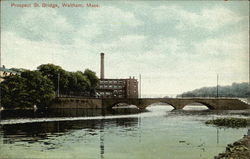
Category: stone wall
[76,103]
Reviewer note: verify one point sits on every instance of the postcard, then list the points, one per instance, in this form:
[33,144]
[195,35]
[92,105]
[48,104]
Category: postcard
[121,79]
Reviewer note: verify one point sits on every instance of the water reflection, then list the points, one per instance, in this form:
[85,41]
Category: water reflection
[158,133]
[48,113]
[42,129]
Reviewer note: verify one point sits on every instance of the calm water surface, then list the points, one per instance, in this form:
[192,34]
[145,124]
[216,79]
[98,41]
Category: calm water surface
[159,133]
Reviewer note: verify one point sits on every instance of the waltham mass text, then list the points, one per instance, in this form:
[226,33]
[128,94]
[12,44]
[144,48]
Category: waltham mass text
[54,5]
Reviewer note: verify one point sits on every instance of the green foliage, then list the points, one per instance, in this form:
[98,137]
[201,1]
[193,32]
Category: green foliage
[235,90]
[91,76]
[69,81]
[54,72]
[78,82]
[38,87]
[229,122]
[27,90]
[13,92]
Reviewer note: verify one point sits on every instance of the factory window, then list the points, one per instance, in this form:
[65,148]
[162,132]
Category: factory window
[110,86]
[115,81]
[115,86]
[105,86]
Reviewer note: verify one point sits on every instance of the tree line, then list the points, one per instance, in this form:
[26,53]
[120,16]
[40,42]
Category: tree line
[240,90]
[39,87]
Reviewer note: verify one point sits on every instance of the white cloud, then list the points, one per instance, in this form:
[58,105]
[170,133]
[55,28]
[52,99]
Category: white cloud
[126,43]
[112,17]
[88,31]
[230,45]
[210,19]
[41,24]
[20,52]
[168,46]
[228,55]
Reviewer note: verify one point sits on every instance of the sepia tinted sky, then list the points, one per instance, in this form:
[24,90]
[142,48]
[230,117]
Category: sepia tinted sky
[175,45]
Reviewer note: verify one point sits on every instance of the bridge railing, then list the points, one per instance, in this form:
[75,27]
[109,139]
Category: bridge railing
[166,97]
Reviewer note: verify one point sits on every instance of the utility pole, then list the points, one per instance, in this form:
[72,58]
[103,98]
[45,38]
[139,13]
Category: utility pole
[217,85]
[140,84]
[58,89]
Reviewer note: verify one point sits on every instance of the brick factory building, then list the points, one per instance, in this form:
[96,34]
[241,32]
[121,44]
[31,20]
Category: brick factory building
[116,88]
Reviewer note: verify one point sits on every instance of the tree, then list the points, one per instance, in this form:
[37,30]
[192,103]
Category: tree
[54,72]
[40,88]
[70,82]
[27,90]
[91,76]
[235,90]
[78,82]
[13,92]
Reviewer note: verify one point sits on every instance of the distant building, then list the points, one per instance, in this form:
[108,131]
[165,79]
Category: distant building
[4,72]
[116,88]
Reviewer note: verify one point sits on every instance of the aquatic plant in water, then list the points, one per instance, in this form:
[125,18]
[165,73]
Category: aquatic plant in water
[229,122]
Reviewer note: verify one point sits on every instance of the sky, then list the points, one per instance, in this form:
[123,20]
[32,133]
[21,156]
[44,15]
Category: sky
[176,46]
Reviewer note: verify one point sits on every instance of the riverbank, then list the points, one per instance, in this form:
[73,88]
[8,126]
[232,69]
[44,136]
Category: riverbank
[238,150]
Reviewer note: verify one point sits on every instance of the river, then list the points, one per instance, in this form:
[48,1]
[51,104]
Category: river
[160,133]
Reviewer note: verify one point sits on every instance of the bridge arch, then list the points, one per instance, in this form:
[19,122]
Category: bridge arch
[164,103]
[208,105]
[160,105]
[120,104]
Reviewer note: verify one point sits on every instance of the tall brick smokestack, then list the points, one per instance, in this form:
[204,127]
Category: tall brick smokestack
[102,66]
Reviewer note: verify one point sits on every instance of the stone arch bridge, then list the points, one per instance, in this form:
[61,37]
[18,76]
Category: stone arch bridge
[142,103]
[180,103]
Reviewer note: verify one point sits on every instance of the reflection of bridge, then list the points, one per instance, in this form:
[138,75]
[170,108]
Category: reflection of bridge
[142,103]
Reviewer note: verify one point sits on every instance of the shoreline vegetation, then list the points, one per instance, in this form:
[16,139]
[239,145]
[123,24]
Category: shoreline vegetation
[230,122]
[239,149]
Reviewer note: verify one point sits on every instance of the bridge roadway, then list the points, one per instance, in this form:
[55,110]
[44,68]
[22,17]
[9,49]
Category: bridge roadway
[142,103]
